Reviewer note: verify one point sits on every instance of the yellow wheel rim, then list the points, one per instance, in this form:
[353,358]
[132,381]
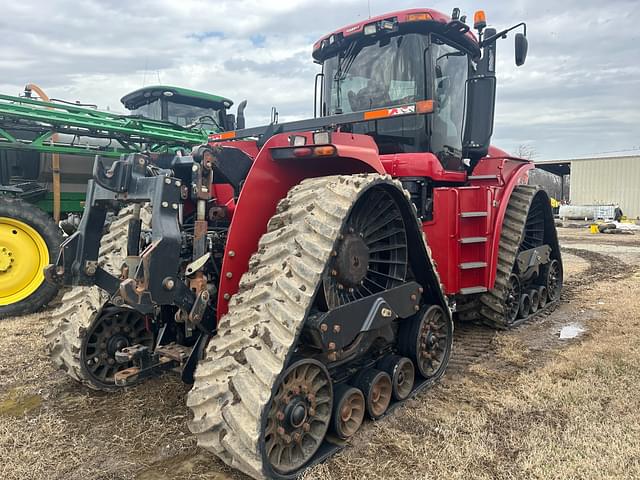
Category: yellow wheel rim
[23,256]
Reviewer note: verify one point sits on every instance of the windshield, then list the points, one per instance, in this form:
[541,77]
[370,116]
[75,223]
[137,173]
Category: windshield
[387,72]
[207,118]
[150,110]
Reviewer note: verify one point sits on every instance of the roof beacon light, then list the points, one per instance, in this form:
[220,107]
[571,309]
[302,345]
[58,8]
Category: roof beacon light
[479,20]
[418,17]
[370,29]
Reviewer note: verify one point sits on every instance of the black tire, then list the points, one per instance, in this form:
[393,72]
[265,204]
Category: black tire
[44,225]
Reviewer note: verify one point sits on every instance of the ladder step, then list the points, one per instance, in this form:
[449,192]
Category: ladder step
[473,214]
[470,290]
[470,265]
[483,177]
[466,240]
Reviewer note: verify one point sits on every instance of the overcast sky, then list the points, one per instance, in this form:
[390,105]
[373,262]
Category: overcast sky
[578,94]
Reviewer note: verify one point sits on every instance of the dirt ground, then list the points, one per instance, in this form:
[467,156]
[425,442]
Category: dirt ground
[517,404]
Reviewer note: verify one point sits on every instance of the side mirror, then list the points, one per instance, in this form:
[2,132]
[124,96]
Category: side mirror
[478,128]
[522,45]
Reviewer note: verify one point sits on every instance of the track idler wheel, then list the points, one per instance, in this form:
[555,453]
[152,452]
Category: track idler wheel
[512,298]
[348,411]
[377,388]
[554,280]
[534,296]
[426,339]
[525,306]
[114,329]
[402,373]
[299,416]
[542,297]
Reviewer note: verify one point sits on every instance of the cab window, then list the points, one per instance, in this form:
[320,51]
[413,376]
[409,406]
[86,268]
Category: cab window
[450,71]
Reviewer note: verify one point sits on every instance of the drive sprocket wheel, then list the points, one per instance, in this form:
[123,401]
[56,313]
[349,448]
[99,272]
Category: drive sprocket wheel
[371,254]
[82,307]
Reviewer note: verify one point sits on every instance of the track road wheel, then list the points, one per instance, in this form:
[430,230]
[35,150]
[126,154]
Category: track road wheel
[535,300]
[85,329]
[348,411]
[427,339]
[542,297]
[29,240]
[377,388]
[238,379]
[402,373]
[525,306]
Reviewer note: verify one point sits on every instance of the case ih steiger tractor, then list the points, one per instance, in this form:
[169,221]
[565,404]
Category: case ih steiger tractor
[303,275]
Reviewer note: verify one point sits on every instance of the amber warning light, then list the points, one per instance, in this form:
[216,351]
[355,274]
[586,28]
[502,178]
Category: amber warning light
[479,20]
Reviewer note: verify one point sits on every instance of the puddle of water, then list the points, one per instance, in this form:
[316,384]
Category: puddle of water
[572,330]
[14,405]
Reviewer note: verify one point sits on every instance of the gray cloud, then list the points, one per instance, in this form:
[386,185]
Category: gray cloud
[576,95]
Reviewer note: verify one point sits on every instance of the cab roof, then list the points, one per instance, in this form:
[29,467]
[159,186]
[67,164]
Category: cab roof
[144,95]
[436,20]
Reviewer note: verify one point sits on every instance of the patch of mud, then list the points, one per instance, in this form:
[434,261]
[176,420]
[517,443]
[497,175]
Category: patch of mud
[181,466]
[13,404]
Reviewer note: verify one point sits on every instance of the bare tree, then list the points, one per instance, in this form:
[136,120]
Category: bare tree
[527,151]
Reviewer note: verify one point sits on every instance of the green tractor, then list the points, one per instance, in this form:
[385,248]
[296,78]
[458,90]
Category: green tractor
[46,159]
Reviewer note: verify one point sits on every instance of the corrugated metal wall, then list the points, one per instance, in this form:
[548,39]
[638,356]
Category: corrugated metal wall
[607,180]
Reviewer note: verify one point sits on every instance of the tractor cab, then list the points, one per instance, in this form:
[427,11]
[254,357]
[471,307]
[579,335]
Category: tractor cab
[181,106]
[419,57]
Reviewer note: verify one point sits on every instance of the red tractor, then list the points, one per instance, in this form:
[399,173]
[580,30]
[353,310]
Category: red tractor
[304,275]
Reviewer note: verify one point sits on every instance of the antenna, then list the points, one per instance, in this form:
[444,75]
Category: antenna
[369,7]
[144,77]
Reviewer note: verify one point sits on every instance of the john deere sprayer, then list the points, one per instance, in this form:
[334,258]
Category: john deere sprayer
[303,275]
[47,150]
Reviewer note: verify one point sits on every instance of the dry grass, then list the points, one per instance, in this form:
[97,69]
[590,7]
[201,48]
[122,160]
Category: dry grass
[538,408]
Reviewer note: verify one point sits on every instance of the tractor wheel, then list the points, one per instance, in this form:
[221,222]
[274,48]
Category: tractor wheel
[86,331]
[528,223]
[29,241]
[244,382]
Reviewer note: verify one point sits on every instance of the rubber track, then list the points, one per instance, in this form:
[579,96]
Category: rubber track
[234,382]
[492,307]
[80,305]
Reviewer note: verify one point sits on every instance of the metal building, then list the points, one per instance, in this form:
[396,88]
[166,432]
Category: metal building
[601,181]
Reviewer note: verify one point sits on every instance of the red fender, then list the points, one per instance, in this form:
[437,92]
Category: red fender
[269,181]
[512,172]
